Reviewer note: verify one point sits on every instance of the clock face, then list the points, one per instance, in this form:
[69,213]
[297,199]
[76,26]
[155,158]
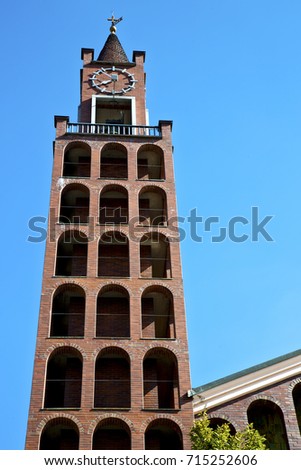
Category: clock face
[113,80]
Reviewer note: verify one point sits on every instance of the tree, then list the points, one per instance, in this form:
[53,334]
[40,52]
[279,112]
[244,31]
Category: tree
[203,437]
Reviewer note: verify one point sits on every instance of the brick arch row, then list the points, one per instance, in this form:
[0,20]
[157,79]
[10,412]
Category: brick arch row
[113,161]
[113,205]
[112,379]
[110,433]
[113,254]
[112,312]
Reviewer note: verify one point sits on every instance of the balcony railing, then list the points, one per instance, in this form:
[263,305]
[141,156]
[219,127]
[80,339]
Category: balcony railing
[113,129]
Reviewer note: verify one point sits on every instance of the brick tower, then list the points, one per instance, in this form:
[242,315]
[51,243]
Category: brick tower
[111,367]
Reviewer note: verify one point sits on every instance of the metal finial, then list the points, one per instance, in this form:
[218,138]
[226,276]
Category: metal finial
[114,21]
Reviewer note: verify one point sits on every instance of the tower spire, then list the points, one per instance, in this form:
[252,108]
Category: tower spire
[113,51]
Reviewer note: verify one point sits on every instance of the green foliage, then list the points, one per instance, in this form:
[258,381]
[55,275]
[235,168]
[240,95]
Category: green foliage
[203,437]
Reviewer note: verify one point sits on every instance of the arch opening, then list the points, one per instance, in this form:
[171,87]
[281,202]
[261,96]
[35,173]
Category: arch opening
[77,161]
[112,434]
[64,379]
[72,250]
[216,422]
[112,379]
[160,380]
[74,204]
[113,163]
[155,256]
[60,434]
[150,163]
[113,255]
[267,418]
[113,313]
[157,313]
[163,434]
[113,206]
[152,207]
[68,311]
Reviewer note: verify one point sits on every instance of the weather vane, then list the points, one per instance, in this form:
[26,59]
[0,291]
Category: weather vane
[114,21]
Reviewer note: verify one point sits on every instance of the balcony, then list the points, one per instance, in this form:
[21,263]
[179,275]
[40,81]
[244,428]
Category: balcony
[113,129]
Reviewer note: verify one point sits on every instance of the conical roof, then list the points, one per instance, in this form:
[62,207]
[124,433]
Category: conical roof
[112,51]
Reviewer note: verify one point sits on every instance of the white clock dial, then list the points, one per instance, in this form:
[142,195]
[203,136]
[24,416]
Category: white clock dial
[113,80]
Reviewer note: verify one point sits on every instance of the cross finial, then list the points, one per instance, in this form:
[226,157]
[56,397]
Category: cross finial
[114,21]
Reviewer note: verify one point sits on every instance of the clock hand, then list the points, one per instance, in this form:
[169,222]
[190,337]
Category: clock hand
[105,82]
[105,73]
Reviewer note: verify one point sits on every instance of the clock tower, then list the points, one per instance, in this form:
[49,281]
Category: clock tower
[111,367]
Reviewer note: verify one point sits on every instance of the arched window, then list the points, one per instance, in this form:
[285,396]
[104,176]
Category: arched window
[71,259]
[157,313]
[64,379]
[215,422]
[113,255]
[113,312]
[163,434]
[68,311]
[267,418]
[77,161]
[112,379]
[297,403]
[113,163]
[113,205]
[155,256]
[160,380]
[150,163]
[74,204]
[60,434]
[112,434]
[152,206]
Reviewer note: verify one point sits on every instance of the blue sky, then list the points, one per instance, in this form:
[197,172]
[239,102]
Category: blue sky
[228,73]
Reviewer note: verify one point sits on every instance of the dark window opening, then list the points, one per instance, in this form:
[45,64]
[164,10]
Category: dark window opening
[163,434]
[267,418]
[160,380]
[71,257]
[112,434]
[150,163]
[68,312]
[113,111]
[113,206]
[74,205]
[215,422]
[113,255]
[113,313]
[112,380]
[157,314]
[63,380]
[152,207]
[155,256]
[60,434]
[113,163]
[77,162]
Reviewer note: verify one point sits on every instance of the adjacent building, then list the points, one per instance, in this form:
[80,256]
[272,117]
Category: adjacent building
[267,395]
